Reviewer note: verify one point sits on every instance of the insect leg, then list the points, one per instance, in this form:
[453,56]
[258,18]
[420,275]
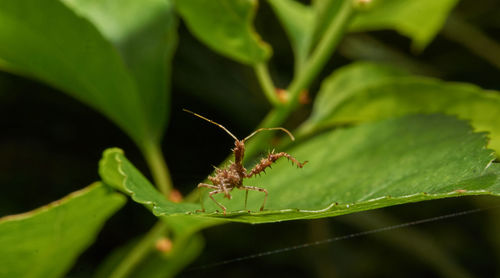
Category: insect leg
[207,186]
[213,199]
[246,198]
[257,189]
[270,159]
[201,199]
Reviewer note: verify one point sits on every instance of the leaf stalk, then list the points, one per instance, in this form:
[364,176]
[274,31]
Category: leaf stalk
[140,250]
[159,169]
[316,62]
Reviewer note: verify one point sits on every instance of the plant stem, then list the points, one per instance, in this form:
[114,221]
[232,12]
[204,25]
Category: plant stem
[322,53]
[266,83]
[158,166]
[314,65]
[141,249]
[161,176]
[472,38]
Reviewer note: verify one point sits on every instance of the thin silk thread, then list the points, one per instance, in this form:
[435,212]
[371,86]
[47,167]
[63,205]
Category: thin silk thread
[338,238]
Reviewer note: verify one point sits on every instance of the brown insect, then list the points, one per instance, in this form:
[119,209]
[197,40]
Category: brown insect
[231,177]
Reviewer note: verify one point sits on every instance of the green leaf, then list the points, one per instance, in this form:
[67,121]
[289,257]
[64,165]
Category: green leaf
[46,242]
[396,161]
[226,27]
[419,20]
[367,92]
[305,24]
[144,32]
[117,172]
[298,20]
[68,52]
[342,84]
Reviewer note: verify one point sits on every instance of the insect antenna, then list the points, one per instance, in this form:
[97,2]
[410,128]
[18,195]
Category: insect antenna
[270,128]
[208,120]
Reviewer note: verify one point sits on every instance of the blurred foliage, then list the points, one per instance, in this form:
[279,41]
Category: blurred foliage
[50,144]
[59,230]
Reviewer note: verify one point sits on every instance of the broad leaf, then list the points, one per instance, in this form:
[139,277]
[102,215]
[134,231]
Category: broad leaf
[144,32]
[46,242]
[368,92]
[67,51]
[419,20]
[226,27]
[386,163]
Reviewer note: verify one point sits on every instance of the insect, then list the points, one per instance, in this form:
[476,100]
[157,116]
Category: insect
[231,177]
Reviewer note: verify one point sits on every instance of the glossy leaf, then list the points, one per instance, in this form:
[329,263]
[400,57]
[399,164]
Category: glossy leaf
[419,20]
[63,229]
[386,163]
[367,92]
[226,27]
[144,32]
[68,52]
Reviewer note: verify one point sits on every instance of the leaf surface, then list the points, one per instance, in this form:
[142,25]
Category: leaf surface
[226,27]
[298,21]
[68,52]
[144,33]
[117,172]
[419,20]
[397,161]
[46,242]
[367,92]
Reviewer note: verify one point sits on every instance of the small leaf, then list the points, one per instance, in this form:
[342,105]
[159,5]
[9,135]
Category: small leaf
[367,92]
[226,27]
[298,20]
[397,161]
[343,83]
[324,13]
[419,20]
[46,242]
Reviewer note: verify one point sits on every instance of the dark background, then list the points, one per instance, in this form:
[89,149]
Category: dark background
[50,145]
